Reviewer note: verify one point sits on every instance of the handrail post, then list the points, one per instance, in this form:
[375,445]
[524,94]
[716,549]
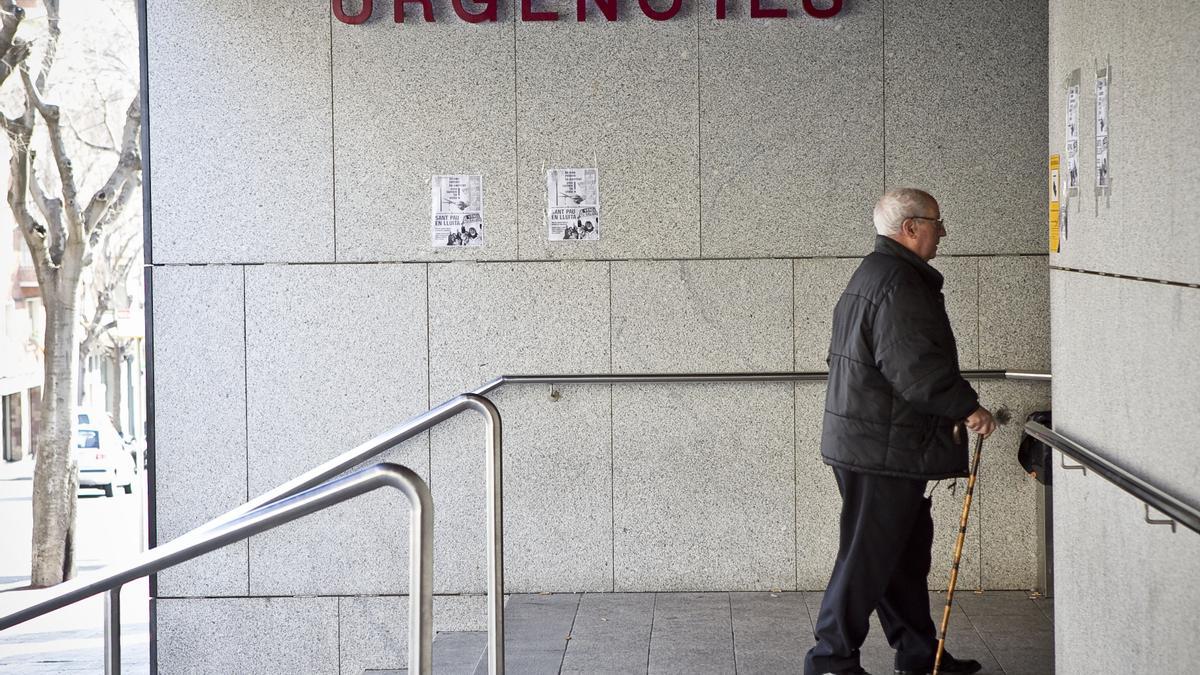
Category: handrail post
[420,578]
[112,631]
[495,509]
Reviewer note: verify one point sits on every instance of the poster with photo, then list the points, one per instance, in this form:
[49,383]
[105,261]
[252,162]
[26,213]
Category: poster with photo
[1072,146]
[1102,168]
[457,211]
[1055,243]
[573,204]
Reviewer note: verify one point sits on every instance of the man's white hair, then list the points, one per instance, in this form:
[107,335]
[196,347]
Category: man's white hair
[897,204]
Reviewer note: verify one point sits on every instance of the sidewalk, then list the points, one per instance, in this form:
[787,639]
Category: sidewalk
[70,640]
[22,470]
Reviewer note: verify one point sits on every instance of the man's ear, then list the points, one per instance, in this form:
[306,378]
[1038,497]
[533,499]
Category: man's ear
[907,228]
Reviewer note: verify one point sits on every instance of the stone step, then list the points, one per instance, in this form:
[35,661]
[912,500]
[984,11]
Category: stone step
[454,653]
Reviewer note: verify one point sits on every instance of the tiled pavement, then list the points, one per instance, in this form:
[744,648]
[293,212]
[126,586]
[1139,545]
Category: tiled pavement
[1008,631]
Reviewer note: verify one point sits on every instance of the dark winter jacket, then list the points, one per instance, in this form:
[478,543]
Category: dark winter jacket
[895,389]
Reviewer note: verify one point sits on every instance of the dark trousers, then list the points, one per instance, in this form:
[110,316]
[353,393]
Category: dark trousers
[882,563]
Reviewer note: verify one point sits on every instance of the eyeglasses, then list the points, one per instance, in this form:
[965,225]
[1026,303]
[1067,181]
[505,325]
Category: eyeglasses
[941,224]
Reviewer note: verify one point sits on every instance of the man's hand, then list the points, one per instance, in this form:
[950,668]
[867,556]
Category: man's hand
[982,422]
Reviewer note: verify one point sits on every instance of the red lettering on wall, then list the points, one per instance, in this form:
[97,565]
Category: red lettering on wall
[488,14]
[527,13]
[757,11]
[832,10]
[663,16]
[426,7]
[607,7]
[340,12]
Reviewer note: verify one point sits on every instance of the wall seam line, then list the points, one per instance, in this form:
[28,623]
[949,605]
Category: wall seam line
[1126,277]
[428,380]
[612,457]
[246,406]
[978,313]
[332,143]
[883,90]
[795,451]
[699,149]
[732,631]
[516,138]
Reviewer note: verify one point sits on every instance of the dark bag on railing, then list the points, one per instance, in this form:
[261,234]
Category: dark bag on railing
[1035,456]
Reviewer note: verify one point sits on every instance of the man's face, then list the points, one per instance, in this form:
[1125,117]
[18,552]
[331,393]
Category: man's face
[924,230]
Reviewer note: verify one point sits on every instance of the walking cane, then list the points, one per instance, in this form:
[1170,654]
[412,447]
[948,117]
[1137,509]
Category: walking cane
[1001,418]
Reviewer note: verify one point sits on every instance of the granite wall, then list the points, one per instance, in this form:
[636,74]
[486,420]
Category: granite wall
[299,309]
[1126,313]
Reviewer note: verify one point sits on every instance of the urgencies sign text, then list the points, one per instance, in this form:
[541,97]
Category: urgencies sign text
[489,10]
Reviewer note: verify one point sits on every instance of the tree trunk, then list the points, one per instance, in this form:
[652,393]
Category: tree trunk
[55,477]
[114,390]
[80,374]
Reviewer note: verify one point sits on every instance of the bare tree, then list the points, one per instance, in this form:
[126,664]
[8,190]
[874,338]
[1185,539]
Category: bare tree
[62,238]
[115,259]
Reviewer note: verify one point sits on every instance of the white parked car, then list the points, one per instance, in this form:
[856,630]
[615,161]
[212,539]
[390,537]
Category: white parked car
[96,418]
[103,460]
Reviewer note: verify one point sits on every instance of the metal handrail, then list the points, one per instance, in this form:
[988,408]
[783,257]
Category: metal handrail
[661,378]
[407,429]
[1148,494]
[493,442]
[474,400]
[260,520]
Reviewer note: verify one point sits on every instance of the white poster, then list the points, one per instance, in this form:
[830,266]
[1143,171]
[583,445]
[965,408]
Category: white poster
[457,209]
[573,204]
[1102,178]
[1072,174]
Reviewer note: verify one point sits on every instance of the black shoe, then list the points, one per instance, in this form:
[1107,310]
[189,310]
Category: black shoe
[949,665]
[856,670]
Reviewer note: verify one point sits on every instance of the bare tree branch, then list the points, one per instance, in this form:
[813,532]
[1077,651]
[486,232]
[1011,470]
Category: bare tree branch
[55,32]
[115,209]
[13,56]
[45,258]
[66,172]
[50,207]
[10,19]
[130,163]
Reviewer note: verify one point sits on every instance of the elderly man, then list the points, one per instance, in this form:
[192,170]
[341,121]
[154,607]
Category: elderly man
[895,395]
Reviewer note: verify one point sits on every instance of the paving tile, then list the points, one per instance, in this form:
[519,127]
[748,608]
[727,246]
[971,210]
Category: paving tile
[961,639]
[771,631]
[996,603]
[536,631]
[458,652]
[1047,607]
[692,633]
[611,634]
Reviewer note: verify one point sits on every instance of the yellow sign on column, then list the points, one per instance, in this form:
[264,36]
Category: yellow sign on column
[1055,186]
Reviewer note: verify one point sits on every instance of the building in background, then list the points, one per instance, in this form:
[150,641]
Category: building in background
[112,379]
[20,342]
